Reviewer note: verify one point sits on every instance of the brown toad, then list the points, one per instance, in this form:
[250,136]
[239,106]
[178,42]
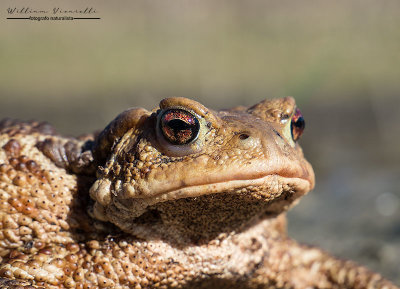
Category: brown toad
[179,197]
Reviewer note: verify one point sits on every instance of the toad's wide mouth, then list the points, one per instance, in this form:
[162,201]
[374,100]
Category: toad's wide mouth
[266,188]
[231,201]
[256,175]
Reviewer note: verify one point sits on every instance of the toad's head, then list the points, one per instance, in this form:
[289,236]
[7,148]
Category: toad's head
[183,163]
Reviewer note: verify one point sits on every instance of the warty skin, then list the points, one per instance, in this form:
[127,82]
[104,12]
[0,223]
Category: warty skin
[178,197]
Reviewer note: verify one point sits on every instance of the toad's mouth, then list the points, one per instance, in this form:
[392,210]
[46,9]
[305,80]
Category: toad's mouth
[235,201]
[269,179]
[264,183]
[266,188]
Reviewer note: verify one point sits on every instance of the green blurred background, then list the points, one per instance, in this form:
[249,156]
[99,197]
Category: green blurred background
[340,59]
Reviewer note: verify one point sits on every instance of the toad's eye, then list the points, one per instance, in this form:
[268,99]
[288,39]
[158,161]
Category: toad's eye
[179,126]
[297,125]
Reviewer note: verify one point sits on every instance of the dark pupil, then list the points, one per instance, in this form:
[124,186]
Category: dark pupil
[179,126]
[297,125]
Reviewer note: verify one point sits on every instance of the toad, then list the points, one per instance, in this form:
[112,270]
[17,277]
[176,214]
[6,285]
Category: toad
[178,197]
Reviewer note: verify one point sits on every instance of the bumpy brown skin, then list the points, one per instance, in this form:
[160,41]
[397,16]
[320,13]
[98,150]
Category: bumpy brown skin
[209,214]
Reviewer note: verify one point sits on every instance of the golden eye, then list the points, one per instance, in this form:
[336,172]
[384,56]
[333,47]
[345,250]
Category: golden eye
[179,126]
[297,125]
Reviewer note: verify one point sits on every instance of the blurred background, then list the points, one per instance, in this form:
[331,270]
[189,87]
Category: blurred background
[339,59]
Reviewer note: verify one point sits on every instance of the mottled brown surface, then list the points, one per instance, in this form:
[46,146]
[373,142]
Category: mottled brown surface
[209,214]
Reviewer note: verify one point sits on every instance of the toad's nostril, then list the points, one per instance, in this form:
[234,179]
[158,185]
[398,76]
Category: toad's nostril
[244,136]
